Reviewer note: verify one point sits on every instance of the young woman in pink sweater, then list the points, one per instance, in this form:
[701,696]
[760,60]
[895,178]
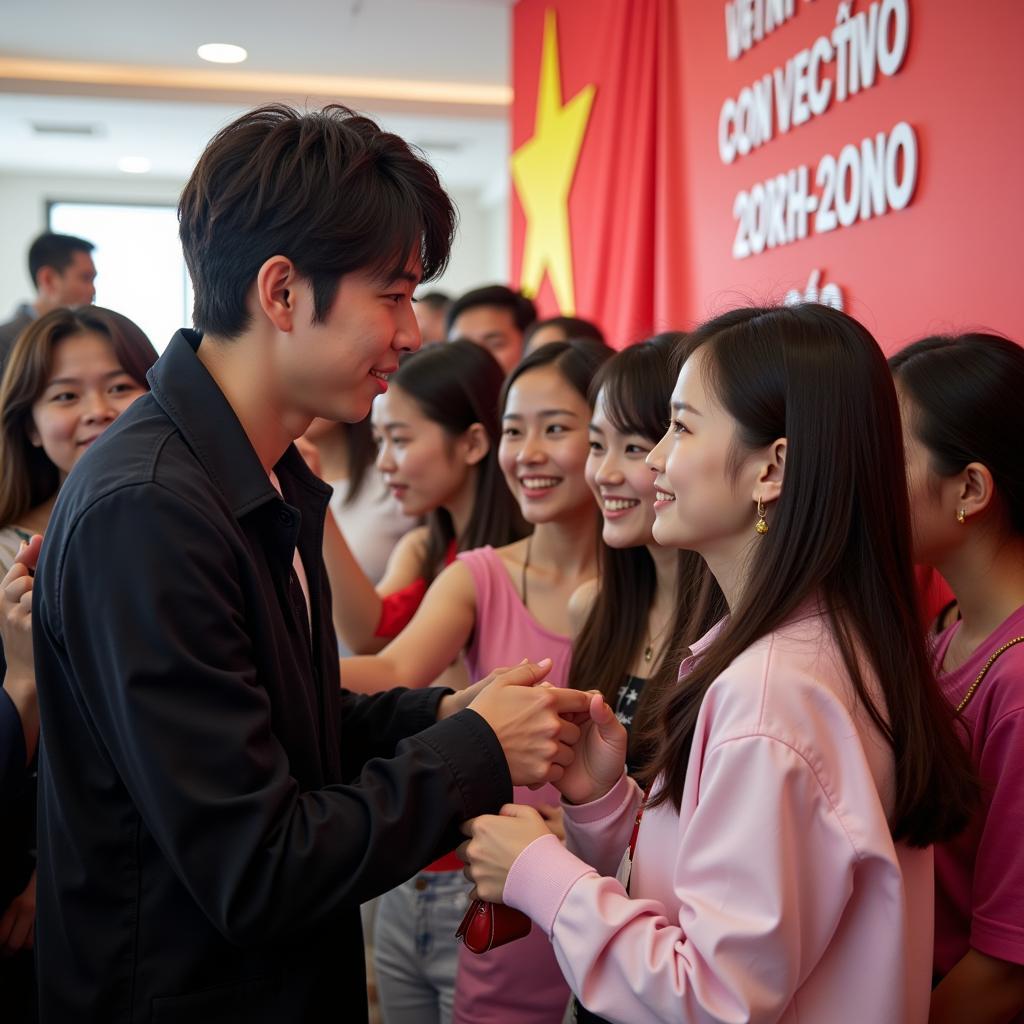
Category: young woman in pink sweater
[780,867]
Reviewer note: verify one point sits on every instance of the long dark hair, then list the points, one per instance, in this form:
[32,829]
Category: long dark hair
[840,534]
[636,385]
[456,385]
[27,476]
[577,360]
[965,392]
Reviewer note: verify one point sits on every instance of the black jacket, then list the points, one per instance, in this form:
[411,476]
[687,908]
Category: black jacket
[213,807]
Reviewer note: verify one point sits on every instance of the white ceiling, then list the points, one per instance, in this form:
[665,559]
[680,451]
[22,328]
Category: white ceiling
[466,41]
[436,40]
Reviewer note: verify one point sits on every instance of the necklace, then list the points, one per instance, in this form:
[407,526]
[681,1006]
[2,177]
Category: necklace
[652,641]
[981,675]
[526,565]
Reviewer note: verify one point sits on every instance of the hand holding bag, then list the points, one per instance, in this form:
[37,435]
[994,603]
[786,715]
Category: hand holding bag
[489,925]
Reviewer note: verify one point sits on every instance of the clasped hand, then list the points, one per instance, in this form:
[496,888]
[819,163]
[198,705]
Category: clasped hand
[598,758]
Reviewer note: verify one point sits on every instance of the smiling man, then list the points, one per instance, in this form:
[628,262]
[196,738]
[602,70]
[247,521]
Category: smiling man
[214,807]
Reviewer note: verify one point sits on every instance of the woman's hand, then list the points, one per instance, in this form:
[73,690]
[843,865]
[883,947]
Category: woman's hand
[494,843]
[600,754]
[16,636]
[18,923]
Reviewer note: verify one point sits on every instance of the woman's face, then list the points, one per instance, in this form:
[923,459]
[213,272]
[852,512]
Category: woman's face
[932,498]
[86,391]
[544,446]
[704,502]
[621,481]
[419,460]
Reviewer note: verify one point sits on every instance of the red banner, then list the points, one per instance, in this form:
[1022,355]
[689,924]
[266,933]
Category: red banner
[677,157]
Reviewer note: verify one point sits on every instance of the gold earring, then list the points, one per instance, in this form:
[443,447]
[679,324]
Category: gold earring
[961,516]
[761,526]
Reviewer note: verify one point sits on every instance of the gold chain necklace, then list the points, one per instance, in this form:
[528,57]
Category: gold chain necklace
[981,675]
[649,649]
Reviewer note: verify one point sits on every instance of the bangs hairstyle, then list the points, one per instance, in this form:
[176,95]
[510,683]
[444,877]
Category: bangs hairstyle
[840,535]
[965,398]
[456,385]
[577,360]
[27,476]
[328,189]
[636,385]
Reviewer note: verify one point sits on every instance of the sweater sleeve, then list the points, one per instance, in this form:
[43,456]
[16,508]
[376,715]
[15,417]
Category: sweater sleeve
[599,832]
[762,873]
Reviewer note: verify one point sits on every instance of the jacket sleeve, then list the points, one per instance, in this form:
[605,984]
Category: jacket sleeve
[762,873]
[372,725]
[158,655]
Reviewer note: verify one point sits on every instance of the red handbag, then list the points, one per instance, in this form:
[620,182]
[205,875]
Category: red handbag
[489,925]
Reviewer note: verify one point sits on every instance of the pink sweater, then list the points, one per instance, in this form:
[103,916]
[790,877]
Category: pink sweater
[776,892]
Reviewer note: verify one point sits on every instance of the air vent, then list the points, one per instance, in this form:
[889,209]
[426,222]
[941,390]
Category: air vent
[66,129]
[439,145]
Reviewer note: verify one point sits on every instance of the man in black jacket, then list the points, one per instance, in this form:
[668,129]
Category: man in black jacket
[213,806]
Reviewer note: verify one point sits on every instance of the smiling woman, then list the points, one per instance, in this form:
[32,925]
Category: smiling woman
[70,375]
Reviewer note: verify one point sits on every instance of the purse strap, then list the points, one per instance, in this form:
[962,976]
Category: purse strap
[981,675]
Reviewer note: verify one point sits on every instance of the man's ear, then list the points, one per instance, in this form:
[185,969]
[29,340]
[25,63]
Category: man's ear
[768,483]
[46,281]
[276,282]
[476,444]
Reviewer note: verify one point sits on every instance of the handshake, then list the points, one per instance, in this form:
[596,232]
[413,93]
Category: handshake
[570,738]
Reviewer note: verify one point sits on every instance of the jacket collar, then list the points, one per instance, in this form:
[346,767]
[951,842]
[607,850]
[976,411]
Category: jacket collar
[188,394]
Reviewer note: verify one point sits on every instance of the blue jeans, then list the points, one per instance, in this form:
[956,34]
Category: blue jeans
[415,953]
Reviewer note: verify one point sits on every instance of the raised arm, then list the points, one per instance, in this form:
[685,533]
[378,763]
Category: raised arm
[439,630]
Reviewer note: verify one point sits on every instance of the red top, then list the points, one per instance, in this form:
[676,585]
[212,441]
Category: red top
[979,876]
[398,608]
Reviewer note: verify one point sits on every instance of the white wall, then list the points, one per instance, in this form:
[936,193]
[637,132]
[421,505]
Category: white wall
[480,255]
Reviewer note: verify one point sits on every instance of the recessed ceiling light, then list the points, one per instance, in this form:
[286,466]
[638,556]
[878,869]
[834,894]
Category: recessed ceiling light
[134,164]
[222,53]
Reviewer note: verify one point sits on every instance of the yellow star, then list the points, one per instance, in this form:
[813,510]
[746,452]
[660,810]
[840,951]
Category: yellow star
[543,169]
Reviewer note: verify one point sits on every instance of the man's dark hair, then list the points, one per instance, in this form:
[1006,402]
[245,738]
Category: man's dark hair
[56,251]
[522,309]
[328,189]
[438,301]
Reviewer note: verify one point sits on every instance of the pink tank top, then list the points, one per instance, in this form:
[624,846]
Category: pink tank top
[519,983]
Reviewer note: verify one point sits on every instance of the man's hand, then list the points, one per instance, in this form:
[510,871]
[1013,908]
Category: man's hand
[528,721]
[600,754]
[18,924]
[460,700]
[16,634]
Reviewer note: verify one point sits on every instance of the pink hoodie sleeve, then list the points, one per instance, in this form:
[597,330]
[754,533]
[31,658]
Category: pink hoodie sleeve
[762,873]
[599,832]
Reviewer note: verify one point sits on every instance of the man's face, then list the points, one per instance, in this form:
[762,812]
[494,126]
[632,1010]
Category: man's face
[431,321]
[75,285]
[336,368]
[492,328]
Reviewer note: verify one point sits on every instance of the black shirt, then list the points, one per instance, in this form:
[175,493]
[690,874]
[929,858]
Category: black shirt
[211,810]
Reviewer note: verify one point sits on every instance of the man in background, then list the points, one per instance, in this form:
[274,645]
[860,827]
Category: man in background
[431,310]
[63,273]
[494,317]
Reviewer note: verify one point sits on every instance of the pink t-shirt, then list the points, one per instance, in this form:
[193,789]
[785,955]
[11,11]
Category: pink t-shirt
[776,892]
[519,983]
[979,876]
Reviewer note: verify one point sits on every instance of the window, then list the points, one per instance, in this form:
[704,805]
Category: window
[140,270]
